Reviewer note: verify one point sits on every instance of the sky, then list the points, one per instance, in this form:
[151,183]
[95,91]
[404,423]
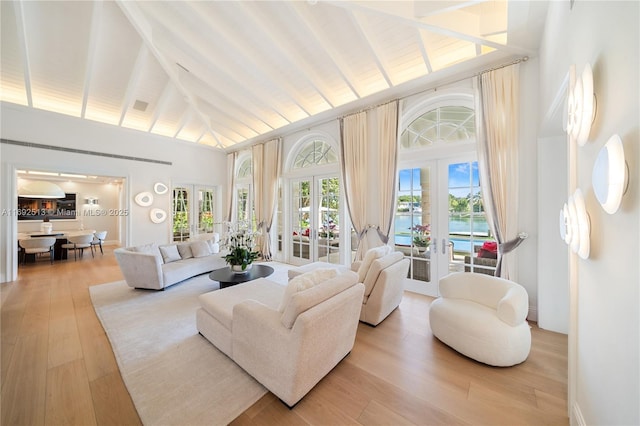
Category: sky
[460,177]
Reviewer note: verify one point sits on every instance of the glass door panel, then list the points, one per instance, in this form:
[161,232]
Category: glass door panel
[301,220]
[181,215]
[328,242]
[193,211]
[315,220]
[414,226]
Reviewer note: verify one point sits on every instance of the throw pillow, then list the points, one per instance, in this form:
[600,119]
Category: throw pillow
[304,282]
[170,253]
[200,249]
[151,248]
[214,246]
[369,257]
[185,250]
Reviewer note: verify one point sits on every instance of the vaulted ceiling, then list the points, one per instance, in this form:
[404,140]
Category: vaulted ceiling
[222,73]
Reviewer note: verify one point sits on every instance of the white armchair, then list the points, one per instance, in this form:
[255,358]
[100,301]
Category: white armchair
[383,278]
[482,317]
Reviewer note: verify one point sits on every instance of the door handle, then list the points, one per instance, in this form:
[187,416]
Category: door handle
[444,244]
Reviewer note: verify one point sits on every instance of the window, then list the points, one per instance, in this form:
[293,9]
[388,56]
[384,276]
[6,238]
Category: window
[315,153]
[445,124]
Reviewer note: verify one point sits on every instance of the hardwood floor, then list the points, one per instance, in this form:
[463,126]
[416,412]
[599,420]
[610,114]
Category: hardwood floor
[58,367]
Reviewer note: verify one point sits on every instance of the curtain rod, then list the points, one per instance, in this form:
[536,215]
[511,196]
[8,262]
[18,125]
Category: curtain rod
[508,64]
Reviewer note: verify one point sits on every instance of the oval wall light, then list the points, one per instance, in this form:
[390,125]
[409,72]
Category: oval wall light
[575,228]
[580,104]
[610,175]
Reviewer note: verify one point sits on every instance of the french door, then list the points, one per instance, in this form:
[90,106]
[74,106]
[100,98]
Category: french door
[439,219]
[315,220]
[193,211]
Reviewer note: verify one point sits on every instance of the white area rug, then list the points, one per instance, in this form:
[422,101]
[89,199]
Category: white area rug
[174,375]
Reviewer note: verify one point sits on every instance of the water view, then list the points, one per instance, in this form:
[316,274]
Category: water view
[460,230]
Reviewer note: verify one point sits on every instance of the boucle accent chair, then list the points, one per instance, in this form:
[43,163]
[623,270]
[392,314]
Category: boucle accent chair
[287,338]
[482,317]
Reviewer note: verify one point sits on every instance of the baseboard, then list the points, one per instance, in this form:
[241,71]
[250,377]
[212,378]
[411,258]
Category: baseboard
[533,314]
[577,416]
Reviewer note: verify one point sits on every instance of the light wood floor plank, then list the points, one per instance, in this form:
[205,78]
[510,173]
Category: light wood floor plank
[69,399]
[58,366]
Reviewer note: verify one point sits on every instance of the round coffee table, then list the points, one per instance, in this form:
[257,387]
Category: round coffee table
[227,278]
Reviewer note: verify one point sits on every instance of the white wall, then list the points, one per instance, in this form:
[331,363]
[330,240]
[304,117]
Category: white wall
[190,163]
[604,341]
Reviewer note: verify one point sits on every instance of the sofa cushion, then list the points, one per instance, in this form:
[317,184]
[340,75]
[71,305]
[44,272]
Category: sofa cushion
[303,282]
[185,250]
[213,246]
[370,256]
[219,304]
[200,249]
[304,300]
[170,253]
[151,248]
[377,266]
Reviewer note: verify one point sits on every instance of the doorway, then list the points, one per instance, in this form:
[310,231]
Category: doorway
[315,220]
[193,211]
[439,219]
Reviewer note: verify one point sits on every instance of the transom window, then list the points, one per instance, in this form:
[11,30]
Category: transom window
[441,125]
[315,153]
[246,169]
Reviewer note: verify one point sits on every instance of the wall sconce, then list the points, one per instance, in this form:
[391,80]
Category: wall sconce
[581,104]
[610,175]
[575,228]
[91,201]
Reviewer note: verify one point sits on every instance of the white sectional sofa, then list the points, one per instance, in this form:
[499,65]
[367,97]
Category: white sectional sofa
[287,338]
[156,267]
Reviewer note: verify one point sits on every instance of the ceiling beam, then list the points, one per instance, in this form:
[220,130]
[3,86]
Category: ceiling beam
[161,105]
[246,50]
[355,6]
[140,24]
[96,23]
[22,39]
[134,81]
[349,78]
[280,43]
[422,42]
[369,42]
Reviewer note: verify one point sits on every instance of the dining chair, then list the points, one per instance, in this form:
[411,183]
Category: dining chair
[98,238]
[78,242]
[37,246]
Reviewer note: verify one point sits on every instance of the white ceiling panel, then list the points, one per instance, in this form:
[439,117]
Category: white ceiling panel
[221,73]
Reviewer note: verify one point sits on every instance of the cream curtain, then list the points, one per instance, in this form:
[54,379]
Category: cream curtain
[387,163]
[231,173]
[497,115]
[353,146]
[266,171]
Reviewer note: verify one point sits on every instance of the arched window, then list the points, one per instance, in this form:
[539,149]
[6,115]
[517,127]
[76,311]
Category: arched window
[316,152]
[446,124]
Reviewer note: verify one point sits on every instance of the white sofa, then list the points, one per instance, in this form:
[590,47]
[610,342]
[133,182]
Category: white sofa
[287,338]
[482,317]
[156,267]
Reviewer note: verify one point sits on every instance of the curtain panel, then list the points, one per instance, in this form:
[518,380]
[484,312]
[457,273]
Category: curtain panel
[353,146]
[387,166]
[497,112]
[266,172]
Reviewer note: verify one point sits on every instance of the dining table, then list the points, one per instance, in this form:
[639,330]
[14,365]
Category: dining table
[61,236]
